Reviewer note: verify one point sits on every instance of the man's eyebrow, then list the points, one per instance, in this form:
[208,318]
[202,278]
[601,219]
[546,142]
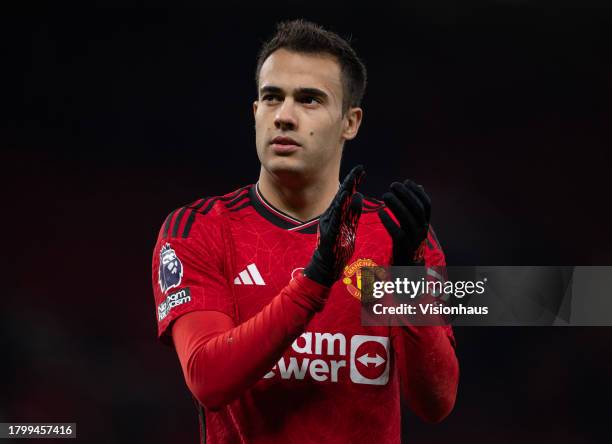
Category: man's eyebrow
[270,89]
[312,92]
[299,91]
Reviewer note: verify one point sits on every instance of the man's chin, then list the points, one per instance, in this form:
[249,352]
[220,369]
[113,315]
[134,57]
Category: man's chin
[290,171]
[285,165]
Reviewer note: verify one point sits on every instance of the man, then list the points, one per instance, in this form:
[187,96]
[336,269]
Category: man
[258,290]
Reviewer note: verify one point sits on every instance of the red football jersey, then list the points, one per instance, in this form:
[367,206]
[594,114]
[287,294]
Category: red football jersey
[338,382]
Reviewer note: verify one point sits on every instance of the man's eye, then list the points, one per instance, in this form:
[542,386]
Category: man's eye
[310,100]
[270,98]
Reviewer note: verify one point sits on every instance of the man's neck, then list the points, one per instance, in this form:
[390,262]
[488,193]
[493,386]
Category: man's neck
[301,199]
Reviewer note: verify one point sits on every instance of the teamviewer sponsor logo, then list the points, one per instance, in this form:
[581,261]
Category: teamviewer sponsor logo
[368,359]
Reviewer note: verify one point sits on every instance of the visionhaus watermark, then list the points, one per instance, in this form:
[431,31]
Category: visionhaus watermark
[491,296]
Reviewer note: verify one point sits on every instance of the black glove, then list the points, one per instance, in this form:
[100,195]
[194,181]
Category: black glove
[336,232]
[412,208]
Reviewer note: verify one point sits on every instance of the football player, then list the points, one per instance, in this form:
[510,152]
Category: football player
[258,289]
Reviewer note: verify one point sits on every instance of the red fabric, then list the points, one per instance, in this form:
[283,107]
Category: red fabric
[220,361]
[428,370]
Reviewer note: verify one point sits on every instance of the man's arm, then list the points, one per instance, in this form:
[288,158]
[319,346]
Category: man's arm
[221,360]
[428,370]
[425,356]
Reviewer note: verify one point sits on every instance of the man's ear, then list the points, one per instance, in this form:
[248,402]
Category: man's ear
[352,121]
[255,105]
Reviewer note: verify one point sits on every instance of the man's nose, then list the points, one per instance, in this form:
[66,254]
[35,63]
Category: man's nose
[285,118]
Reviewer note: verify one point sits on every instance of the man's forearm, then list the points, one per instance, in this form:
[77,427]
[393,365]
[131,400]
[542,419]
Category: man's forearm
[428,370]
[220,361]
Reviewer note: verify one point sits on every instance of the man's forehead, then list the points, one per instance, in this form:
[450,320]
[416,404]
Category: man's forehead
[290,70]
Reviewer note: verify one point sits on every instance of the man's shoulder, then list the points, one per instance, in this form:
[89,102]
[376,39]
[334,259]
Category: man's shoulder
[203,214]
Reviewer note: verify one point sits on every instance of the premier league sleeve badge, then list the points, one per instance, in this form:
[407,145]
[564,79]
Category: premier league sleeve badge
[170,268]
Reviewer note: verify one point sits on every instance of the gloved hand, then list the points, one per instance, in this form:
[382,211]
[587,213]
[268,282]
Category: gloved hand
[337,231]
[412,208]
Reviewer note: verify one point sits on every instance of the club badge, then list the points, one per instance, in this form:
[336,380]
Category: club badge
[352,276]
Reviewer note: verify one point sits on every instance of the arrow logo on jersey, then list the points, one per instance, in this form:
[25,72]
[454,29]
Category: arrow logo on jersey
[366,360]
[250,276]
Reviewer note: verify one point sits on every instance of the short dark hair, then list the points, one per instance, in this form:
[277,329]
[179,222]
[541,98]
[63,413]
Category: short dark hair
[306,37]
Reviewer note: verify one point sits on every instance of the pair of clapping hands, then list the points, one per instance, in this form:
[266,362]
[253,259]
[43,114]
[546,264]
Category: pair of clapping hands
[408,203]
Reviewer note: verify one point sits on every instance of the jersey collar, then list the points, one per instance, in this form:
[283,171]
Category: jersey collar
[278,217]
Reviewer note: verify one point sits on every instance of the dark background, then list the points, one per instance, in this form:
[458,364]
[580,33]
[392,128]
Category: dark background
[114,115]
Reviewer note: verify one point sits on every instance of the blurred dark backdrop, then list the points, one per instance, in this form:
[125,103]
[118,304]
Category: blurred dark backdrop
[114,115]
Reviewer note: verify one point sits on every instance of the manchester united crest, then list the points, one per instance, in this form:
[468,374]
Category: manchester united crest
[352,276]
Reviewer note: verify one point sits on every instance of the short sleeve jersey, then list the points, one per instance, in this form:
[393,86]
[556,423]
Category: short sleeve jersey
[338,381]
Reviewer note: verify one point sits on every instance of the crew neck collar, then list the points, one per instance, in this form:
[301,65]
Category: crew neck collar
[279,217]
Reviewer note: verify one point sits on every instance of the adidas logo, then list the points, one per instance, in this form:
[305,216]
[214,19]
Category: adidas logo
[250,276]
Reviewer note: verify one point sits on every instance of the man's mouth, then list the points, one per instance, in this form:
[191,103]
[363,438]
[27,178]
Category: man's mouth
[283,145]
[284,140]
